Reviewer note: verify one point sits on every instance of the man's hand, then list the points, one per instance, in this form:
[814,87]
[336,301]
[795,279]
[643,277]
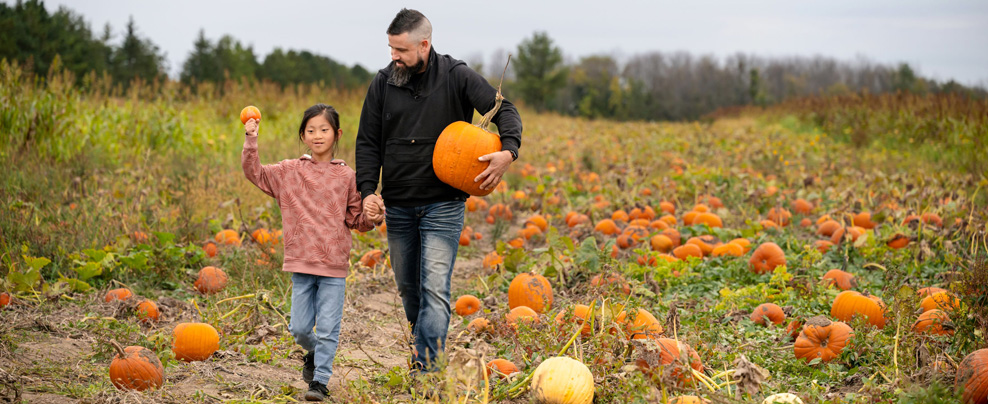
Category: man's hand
[374,208]
[251,127]
[492,175]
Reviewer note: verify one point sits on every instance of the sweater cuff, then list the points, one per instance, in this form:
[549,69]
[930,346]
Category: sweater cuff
[367,192]
[250,142]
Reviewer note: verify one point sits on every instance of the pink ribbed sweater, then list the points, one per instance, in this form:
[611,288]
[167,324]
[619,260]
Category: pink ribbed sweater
[319,205]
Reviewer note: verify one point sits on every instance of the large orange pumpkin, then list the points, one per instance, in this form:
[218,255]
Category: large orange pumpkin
[118,294]
[135,368]
[147,312]
[822,338]
[849,303]
[644,325]
[972,373]
[766,257]
[194,341]
[676,354]
[458,149]
[940,300]
[532,290]
[503,367]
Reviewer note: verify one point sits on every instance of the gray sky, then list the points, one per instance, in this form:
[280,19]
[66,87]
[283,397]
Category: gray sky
[940,39]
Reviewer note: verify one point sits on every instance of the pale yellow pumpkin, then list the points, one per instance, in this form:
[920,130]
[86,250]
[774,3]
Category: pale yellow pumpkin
[562,380]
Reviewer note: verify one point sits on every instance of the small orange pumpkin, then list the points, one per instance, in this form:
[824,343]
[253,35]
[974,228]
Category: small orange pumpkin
[940,300]
[478,325]
[822,338]
[766,258]
[687,250]
[530,289]
[118,294]
[522,314]
[770,311]
[147,312]
[579,315]
[194,341]
[843,280]
[467,305]
[135,368]
[250,112]
[850,303]
[933,322]
[503,367]
[644,325]
[211,280]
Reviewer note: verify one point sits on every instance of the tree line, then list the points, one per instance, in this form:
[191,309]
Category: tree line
[38,40]
[648,86]
[679,85]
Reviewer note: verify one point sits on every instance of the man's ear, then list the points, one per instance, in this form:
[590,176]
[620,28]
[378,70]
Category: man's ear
[426,43]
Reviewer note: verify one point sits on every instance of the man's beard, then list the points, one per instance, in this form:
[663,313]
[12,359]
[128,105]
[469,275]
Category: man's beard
[401,75]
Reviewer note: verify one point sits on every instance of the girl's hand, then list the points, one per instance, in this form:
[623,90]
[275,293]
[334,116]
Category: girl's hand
[251,127]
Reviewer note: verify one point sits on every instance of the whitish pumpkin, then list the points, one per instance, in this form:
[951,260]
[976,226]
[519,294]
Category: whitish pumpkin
[562,380]
[782,398]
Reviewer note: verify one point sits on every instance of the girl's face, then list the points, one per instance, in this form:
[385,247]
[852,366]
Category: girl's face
[320,136]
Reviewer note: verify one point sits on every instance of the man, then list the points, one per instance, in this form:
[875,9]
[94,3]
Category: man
[408,105]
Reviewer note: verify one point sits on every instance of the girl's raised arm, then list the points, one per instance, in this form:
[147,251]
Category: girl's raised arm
[266,177]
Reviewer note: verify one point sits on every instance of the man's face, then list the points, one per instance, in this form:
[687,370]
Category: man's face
[407,54]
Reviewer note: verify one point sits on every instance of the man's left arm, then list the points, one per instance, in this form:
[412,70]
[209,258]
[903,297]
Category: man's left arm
[481,95]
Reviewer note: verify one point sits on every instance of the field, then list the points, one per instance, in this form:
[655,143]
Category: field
[104,190]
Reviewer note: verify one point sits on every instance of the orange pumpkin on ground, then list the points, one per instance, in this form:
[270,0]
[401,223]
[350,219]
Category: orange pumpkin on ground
[210,249]
[898,241]
[620,216]
[667,207]
[729,249]
[843,280]
[689,400]
[933,322]
[5,299]
[849,304]
[661,243]
[211,280]
[136,368]
[822,338]
[467,305]
[147,312]
[118,294]
[766,258]
[371,258]
[194,341]
[708,219]
[644,325]
[502,366]
[687,250]
[972,373]
[578,315]
[532,290]
[941,300]
[706,243]
[492,259]
[607,226]
[523,314]
[767,313]
[793,329]
[538,221]
[827,228]
[929,290]
[478,325]
[863,219]
[228,237]
[780,216]
[802,206]
[679,355]
[743,242]
[822,245]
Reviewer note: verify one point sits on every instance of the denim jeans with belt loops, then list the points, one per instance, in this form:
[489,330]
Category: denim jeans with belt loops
[423,241]
[317,310]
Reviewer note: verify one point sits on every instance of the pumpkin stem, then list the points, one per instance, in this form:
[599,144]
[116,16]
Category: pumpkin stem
[497,100]
[120,350]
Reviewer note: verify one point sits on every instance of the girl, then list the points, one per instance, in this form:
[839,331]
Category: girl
[319,205]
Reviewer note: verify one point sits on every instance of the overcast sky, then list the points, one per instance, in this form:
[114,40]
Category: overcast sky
[941,39]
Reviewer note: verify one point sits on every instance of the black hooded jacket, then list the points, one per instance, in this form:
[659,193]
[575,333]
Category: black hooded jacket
[399,127]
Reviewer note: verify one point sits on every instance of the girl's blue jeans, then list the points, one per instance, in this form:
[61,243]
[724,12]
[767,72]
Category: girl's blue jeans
[317,310]
[423,241]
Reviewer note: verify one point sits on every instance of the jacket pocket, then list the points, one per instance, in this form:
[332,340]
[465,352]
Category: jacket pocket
[408,162]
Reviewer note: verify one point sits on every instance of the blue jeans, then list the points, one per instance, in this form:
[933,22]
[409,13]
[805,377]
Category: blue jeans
[317,309]
[423,241]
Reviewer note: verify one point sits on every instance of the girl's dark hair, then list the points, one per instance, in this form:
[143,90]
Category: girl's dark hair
[327,112]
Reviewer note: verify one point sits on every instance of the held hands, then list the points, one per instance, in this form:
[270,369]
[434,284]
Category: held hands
[374,209]
[251,127]
[492,175]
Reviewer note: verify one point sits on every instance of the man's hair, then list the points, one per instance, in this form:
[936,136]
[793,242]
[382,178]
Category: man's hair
[413,22]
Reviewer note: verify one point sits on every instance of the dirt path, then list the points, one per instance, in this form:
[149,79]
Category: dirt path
[53,359]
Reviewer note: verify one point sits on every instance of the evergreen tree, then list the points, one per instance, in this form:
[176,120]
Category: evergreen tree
[538,70]
[136,58]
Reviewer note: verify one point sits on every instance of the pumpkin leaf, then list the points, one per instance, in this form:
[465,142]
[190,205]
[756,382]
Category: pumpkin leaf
[815,361]
[36,263]
[588,256]
[88,270]
[137,260]
[95,255]
[75,284]
[163,237]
